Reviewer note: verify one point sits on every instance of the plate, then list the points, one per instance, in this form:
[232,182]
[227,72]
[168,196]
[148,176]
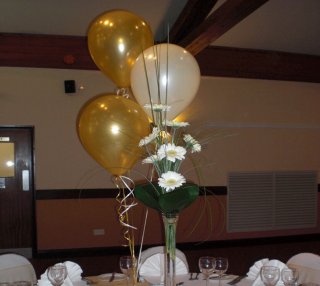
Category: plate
[79,283]
[107,276]
[158,280]
[215,276]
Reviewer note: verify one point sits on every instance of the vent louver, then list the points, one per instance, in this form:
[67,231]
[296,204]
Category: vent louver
[271,200]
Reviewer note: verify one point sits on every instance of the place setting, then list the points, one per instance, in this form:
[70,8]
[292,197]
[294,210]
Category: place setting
[65,273]
[212,271]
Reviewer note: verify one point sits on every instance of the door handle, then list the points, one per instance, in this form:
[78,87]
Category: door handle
[25,180]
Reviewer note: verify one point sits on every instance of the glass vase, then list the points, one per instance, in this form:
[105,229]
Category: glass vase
[170,225]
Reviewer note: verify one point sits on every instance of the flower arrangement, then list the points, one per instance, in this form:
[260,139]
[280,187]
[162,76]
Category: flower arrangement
[172,87]
[166,148]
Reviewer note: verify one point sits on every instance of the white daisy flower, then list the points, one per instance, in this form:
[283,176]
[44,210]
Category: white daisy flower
[171,180]
[146,140]
[187,138]
[175,123]
[150,160]
[196,148]
[192,143]
[157,107]
[171,152]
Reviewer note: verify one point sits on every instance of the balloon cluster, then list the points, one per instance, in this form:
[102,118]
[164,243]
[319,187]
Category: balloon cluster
[111,125]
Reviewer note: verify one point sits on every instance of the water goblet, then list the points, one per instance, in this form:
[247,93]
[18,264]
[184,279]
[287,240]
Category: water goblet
[127,266]
[57,274]
[207,265]
[222,265]
[270,275]
[289,276]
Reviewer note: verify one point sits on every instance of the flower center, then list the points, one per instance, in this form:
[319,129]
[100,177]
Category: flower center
[171,182]
[171,153]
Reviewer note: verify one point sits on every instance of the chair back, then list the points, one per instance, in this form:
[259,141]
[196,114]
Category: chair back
[15,267]
[308,265]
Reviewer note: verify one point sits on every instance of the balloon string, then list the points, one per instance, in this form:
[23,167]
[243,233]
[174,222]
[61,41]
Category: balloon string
[123,212]
[123,209]
[123,202]
[142,239]
[131,189]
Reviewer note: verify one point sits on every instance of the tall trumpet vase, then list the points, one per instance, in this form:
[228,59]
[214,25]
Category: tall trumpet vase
[170,225]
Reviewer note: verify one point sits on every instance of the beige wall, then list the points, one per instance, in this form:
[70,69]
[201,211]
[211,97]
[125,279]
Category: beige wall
[74,221]
[256,125]
[245,125]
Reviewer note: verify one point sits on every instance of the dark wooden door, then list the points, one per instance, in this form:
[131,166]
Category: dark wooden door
[17,219]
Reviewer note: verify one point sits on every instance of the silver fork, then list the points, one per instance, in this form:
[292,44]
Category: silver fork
[236,280]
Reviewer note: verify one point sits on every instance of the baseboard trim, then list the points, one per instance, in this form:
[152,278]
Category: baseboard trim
[66,194]
[118,250]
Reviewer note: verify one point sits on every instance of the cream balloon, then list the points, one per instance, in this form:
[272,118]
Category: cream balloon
[165,74]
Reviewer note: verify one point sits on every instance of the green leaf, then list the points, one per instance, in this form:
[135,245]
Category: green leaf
[147,195]
[172,202]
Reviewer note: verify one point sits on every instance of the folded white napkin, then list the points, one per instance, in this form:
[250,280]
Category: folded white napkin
[254,270]
[73,278]
[273,262]
[153,266]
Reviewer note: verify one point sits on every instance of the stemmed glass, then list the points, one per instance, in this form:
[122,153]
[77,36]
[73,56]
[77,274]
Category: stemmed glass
[127,265]
[207,265]
[289,276]
[57,274]
[270,275]
[222,265]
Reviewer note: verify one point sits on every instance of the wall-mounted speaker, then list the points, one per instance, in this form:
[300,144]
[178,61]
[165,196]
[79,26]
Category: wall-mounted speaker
[69,86]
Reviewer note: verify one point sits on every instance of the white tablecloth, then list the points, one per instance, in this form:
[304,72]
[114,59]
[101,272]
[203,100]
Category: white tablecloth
[200,281]
[183,278]
[215,282]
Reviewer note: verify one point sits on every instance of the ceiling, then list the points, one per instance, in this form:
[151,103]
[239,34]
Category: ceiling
[291,26]
[280,25]
[73,17]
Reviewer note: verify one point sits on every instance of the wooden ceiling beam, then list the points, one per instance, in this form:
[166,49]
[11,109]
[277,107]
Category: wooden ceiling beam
[68,52]
[219,22]
[258,64]
[45,51]
[192,15]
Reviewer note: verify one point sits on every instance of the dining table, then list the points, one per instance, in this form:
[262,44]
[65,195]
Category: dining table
[192,279]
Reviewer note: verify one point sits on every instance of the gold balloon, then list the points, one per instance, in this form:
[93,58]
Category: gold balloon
[115,40]
[110,128]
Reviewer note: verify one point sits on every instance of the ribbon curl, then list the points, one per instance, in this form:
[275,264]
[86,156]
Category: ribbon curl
[123,183]
[123,197]
[123,92]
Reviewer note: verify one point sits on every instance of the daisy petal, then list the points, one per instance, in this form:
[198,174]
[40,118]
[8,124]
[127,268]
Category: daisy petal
[171,180]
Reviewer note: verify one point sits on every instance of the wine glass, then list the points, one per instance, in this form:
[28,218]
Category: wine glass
[57,274]
[289,276]
[127,265]
[270,275]
[207,265]
[222,265]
